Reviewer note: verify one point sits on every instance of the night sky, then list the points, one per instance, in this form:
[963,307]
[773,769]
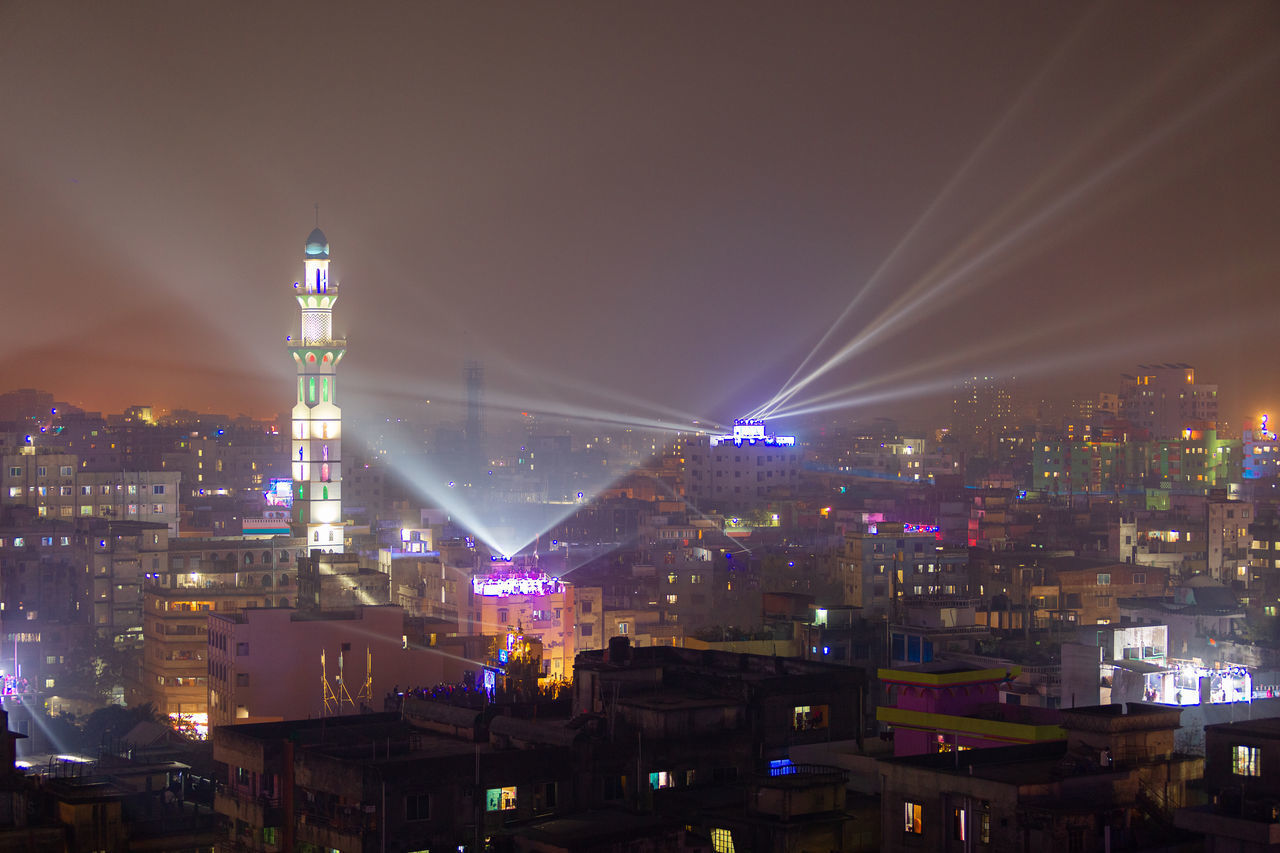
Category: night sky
[648,209]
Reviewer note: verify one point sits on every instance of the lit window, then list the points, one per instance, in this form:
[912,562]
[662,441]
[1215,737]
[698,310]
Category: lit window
[1246,760]
[959,824]
[807,717]
[500,799]
[661,779]
[722,840]
[913,814]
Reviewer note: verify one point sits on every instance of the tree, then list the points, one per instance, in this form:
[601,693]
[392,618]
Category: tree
[94,667]
[114,721]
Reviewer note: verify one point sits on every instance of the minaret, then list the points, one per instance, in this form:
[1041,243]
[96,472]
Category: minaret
[317,420]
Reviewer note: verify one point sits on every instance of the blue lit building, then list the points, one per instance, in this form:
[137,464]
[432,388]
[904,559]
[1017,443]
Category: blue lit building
[745,469]
[1261,453]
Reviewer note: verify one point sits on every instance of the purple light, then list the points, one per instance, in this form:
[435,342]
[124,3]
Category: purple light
[516,583]
[752,431]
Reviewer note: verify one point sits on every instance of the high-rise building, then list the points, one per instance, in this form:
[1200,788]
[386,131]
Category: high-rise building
[317,420]
[983,410]
[1166,400]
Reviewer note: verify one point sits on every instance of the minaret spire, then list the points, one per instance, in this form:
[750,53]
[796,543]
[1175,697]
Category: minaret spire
[316,454]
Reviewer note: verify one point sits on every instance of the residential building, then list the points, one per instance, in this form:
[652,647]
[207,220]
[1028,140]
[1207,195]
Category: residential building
[283,664]
[1240,779]
[1165,400]
[886,561]
[57,487]
[748,468]
[529,602]
[944,706]
[1111,783]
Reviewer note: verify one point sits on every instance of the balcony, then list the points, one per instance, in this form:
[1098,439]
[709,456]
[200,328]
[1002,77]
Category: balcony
[255,810]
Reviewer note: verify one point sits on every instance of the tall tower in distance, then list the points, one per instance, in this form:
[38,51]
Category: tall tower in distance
[473,429]
[316,460]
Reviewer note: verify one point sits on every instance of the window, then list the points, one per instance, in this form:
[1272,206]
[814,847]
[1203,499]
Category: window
[807,717]
[661,779]
[15,472]
[544,796]
[417,807]
[913,817]
[500,799]
[984,823]
[242,679]
[722,840]
[157,489]
[242,649]
[1246,760]
[65,471]
[1139,577]
[587,630]
[1104,579]
[623,628]
[959,824]
[586,606]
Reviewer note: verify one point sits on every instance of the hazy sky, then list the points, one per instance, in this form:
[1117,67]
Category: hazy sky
[645,208]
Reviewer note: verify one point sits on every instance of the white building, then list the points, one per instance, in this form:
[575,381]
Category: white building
[744,469]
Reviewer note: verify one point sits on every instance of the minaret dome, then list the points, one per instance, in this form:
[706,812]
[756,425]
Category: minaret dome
[317,244]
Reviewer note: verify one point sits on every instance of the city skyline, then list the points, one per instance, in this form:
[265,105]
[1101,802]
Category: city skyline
[650,213]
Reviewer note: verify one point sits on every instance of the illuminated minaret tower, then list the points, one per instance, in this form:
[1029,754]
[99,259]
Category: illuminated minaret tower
[317,420]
